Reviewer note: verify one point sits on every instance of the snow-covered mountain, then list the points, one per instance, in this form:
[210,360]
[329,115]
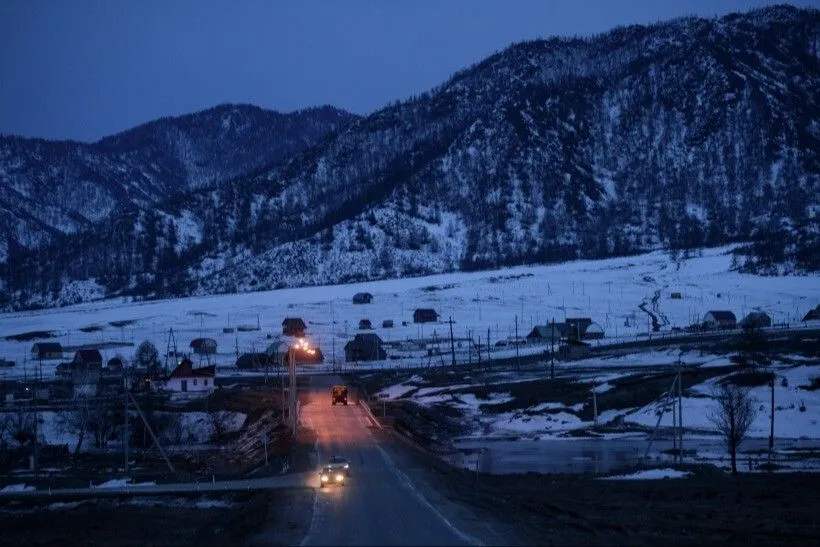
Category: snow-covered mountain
[681,134]
[50,188]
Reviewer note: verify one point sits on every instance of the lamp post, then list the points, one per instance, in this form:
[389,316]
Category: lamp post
[303,346]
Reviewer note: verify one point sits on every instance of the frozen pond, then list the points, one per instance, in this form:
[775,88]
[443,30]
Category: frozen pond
[606,455]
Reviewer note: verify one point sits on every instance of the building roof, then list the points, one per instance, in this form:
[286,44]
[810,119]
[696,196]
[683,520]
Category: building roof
[48,347]
[722,315]
[197,342]
[367,338]
[426,311]
[88,356]
[293,322]
[186,369]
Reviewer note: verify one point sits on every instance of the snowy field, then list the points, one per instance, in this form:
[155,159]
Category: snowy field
[608,291]
[504,303]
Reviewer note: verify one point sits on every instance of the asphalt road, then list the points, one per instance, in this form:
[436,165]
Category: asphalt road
[378,505]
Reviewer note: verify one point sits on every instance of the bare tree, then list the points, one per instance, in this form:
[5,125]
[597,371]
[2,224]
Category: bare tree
[733,416]
[220,422]
[18,426]
[76,420]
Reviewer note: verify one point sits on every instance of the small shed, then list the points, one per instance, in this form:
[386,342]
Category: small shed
[425,315]
[755,320]
[293,326]
[365,347]
[365,324]
[387,324]
[676,296]
[362,298]
[719,319]
[47,350]
[203,346]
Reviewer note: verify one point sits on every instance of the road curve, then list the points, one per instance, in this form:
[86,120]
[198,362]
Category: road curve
[379,505]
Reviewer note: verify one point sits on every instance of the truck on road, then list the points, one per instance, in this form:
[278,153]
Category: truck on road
[338,394]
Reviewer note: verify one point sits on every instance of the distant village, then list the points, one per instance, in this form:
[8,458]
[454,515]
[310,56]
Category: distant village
[193,373]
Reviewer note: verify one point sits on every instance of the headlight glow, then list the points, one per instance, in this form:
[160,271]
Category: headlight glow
[347,465]
[325,478]
[340,478]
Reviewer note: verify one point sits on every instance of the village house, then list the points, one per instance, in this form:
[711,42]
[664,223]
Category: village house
[719,319]
[47,350]
[581,328]
[86,372]
[365,347]
[278,354]
[755,320]
[387,324]
[185,379]
[364,324]
[293,326]
[203,346]
[813,315]
[88,357]
[362,298]
[545,334]
[425,315]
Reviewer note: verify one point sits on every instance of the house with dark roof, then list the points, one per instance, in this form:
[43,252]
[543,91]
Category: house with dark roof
[755,320]
[365,324]
[813,315]
[293,326]
[203,346]
[189,380]
[425,315]
[86,372]
[719,319]
[47,350]
[545,334]
[362,298]
[88,357]
[575,328]
[365,347]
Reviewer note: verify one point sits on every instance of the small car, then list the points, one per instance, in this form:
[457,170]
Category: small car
[331,476]
[340,463]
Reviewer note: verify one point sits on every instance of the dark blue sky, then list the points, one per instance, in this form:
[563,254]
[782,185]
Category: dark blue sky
[83,69]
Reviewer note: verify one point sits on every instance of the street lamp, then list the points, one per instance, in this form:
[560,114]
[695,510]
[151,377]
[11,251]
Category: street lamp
[302,346]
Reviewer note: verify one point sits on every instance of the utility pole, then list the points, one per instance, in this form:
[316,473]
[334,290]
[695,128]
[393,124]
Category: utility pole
[125,426]
[517,360]
[488,348]
[771,424]
[594,402]
[680,408]
[552,350]
[452,343]
[292,392]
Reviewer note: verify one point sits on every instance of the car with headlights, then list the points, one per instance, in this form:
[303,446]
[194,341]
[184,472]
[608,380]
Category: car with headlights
[331,476]
[339,463]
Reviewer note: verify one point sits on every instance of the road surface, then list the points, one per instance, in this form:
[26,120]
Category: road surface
[379,505]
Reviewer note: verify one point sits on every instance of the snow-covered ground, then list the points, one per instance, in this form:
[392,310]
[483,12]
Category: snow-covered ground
[494,302]
[503,303]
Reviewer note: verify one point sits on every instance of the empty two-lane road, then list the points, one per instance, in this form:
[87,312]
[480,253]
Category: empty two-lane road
[378,505]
